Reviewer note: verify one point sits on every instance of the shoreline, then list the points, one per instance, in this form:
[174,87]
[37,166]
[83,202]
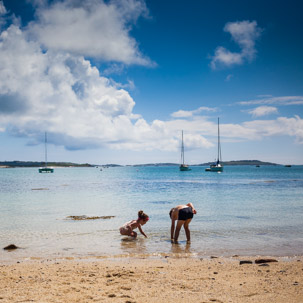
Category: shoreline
[162,279]
[9,257]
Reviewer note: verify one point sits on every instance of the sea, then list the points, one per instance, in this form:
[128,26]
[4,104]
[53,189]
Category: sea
[245,211]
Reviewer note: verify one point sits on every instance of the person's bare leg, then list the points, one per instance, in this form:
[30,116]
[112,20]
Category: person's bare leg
[187,231]
[177,231]
[133,234]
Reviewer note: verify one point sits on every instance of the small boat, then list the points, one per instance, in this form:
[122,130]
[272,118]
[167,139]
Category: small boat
[287,165]
[183,167]
[217,166]
[257,165]
[46,169]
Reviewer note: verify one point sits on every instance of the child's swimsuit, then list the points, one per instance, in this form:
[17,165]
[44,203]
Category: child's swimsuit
[185,213]
[125,228]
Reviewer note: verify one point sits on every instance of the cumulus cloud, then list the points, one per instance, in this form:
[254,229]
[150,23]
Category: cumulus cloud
[245,34]
[263,111]
[66,96]
[96,29]
[57,92]
[187,113]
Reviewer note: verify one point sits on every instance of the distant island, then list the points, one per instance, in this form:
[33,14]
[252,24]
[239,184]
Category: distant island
[226,163]
[39,164]
[9,164]
[245,162]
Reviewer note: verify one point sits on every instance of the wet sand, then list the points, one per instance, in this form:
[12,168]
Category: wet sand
[164,279]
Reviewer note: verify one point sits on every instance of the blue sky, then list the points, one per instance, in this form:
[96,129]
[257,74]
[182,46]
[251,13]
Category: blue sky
[117,81]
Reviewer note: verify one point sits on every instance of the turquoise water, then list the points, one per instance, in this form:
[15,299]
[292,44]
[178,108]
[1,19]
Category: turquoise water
[245,211]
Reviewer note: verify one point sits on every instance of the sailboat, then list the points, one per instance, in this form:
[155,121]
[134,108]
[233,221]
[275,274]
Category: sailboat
[217,166]
[183,167]
[46,169]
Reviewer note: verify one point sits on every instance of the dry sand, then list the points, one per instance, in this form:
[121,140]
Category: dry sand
[152,280]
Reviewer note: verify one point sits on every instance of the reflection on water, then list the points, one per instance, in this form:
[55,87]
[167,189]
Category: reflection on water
[141,247]
[181,249]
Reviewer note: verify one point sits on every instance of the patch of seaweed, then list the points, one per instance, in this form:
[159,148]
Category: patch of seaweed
[11,247]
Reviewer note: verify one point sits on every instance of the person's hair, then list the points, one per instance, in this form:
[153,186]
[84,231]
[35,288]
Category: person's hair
[171,212]
[142,215]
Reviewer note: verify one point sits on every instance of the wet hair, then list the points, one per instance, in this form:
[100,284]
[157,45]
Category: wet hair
[142,215]
[171,212]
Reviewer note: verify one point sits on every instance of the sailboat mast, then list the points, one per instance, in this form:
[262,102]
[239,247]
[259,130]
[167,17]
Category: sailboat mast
[219,143]
[45,149]
[182,150]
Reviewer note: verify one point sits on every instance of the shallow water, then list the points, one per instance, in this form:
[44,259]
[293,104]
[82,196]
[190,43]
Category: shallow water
[244,210]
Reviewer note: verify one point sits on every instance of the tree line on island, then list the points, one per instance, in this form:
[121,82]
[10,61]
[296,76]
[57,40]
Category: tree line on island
[38,164]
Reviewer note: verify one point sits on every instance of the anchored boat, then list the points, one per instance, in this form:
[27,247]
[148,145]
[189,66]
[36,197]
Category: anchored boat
[217,166]
[46,169]
[183,167]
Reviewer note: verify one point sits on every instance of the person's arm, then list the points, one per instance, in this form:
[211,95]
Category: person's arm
[192,206]
[142,232]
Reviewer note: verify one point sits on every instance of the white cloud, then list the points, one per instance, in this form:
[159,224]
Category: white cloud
[225,57]
[3,12]
[38,3]
[292,127]
[263,111]
[114,68]
[252,130]
[229,77]
[91,28]
[187,113]
[2,9]
[282,126]
[66,96]
[57,92]
[245,34]
[282,100]
[182,114]
[246,131]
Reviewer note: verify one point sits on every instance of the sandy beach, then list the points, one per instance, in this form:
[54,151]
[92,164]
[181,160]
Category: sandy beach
[164,279]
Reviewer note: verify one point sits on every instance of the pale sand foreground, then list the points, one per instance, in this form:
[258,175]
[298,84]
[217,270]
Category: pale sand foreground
[149,280]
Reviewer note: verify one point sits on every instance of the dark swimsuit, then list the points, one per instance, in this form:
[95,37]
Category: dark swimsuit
[185,213]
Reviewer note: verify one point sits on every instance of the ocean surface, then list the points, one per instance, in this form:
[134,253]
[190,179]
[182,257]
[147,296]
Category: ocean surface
[245,211]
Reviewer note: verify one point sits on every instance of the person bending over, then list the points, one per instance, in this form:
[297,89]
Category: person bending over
[183,214]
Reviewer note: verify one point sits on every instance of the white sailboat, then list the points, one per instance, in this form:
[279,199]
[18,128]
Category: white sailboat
[183,167]
[46,169]
[217,166]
